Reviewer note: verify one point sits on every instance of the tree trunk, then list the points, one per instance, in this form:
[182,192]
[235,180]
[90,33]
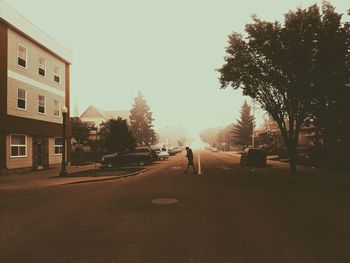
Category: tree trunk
[292,150]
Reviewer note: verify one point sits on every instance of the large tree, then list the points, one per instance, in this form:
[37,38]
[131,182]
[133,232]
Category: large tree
[116,135]
[141,122]
[243,129]
[331,116]
[281,66]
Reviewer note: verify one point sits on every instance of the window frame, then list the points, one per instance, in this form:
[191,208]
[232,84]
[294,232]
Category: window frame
[44,76]
[59,108]
[25,99]
[26,60]
[58,146]
[18,146]
[57,75]
[43,113]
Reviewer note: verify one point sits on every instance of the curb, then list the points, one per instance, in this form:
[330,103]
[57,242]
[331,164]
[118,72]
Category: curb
[107,179]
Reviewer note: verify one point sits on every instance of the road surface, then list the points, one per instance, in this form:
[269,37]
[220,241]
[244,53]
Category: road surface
[229,213]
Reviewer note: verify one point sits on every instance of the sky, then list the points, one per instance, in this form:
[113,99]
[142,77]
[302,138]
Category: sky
[168,50]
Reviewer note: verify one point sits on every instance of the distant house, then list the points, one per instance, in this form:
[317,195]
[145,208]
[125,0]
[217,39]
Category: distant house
[305,138]
[96,116]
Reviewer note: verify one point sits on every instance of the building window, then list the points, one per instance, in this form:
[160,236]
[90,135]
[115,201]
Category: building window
[42,104]
[18,145]
[57,74]
[22,56]
[42,67]
[58,146]
[57,108]
[21,99]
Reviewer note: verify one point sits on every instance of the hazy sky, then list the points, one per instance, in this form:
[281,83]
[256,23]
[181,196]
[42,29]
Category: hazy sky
[167,49]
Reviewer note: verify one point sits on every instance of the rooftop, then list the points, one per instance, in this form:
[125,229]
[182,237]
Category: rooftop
[94,112]
[23,25]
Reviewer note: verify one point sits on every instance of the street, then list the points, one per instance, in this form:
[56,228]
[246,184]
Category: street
[229,213]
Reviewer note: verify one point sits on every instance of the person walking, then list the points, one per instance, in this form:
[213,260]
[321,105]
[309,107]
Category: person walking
[189,156]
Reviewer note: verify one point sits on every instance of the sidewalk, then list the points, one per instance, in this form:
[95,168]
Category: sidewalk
[238,155]
[50,177]
[307,173]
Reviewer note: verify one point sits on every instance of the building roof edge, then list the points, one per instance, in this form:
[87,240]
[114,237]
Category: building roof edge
[20,23]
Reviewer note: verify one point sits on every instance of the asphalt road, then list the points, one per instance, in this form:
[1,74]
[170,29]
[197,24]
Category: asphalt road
[228,214]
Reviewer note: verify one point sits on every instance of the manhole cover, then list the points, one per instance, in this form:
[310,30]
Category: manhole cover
[164,201]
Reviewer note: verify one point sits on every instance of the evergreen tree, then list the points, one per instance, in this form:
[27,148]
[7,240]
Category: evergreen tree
[116,135]
[243,129]
[141,122]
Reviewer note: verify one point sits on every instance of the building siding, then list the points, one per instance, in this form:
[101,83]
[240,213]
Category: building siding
[53,159]
[33,54]
[32,102]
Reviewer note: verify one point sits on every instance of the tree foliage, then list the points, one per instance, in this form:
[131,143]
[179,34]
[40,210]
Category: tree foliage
[141,122]
[243,129]
[286,67]
[80,132]
[116,135]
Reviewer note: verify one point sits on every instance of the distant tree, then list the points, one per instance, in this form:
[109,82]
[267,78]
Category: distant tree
[268,139]
[243,129]
[116,135]
[210,136]
[181,142]
[217,135]
[281,66]
[141,122]
[80,132]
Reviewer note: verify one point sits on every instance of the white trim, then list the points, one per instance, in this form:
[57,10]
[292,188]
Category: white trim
[19,145]
[20,45]
[39,57]
[57,75]
[35,83]
[57,145]
[25,99]
[59,109]
[42,113]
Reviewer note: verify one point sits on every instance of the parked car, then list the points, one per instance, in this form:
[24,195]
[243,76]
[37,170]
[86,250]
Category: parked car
[177,149]
[253,156]
[154,155]
[162,153]
[140,155]
[214,150]
[172,151]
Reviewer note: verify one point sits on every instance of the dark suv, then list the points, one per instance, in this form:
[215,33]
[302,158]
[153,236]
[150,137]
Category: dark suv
[253,156]
[140,156]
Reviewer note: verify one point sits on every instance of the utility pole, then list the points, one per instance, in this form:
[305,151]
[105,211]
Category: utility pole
[223,138]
